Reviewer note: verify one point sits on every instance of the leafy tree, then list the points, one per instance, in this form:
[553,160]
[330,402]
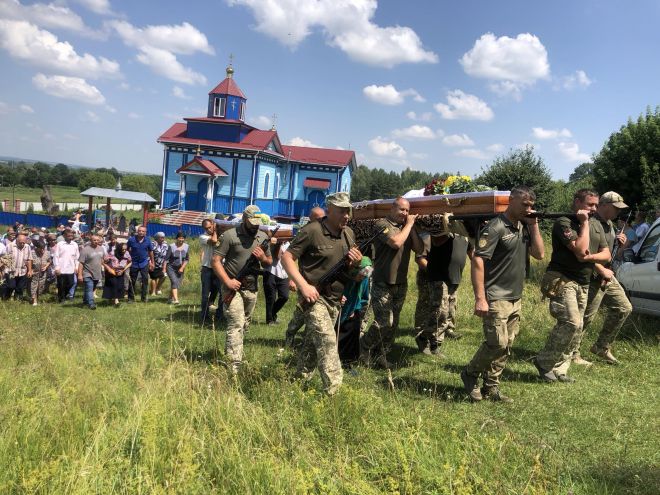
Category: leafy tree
[583,171]
[629,161]
[149,184]
[94,178]
[520,167]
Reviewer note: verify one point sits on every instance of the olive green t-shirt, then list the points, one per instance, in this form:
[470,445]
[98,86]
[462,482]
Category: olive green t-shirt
[235,246]
[503,247]
[390,265]
[565,231]
[317,251]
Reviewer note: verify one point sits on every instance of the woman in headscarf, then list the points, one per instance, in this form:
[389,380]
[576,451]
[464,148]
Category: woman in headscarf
[116,263]
[175,262]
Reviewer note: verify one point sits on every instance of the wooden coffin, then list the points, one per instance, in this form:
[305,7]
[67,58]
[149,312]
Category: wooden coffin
[486,202]
[284,233]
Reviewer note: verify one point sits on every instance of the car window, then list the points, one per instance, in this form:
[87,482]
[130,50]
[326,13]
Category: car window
[649,248]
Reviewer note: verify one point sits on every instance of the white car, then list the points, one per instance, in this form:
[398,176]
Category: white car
[641,277]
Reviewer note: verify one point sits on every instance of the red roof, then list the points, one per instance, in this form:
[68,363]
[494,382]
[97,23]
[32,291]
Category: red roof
[209,166]
[320,156]
[317,183]
[259,138]
[228,87]
[177,135]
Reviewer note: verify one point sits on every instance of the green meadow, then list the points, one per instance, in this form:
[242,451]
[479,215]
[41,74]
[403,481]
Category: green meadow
[138,400]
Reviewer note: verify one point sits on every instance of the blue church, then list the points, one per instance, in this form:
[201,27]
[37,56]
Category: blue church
[220,164]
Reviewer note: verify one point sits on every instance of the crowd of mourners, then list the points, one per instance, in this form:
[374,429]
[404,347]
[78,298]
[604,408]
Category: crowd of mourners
[35,262]
[355,316]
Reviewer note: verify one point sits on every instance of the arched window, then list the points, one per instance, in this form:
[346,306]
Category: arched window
[266,183]
[276,191]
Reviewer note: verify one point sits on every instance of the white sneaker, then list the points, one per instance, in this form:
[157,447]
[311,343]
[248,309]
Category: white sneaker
[35,304]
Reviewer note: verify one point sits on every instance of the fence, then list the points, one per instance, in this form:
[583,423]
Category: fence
[24,206]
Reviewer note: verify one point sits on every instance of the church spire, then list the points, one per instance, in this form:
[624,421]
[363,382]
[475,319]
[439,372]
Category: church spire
[230,68]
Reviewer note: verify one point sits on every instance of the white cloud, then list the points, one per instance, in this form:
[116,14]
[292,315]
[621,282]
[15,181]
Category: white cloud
[347,24]
[577,80]
[90,117]
[458,140]
[420,156]
[298,141]
[101,7]
[26,109]
[462,106]
[472,153]
[50,15]
[133,115]
[541,133]
[495,148]
[382,147]
[157,46]
[389,95]
[514,63]
[70,88]
[70,137]
[179,93]
[261,122]
[124,86]
[414,132]
[25,41]
[165,64]
[422,117]
[4,108]
[571,152]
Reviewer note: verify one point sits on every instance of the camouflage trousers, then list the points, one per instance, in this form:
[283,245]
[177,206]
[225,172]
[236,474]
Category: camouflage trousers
[440,312]
[320,345]
[617,308]
[568,309]
[238,315]
[387,302]
[422,305]
[296,323]
[501,326]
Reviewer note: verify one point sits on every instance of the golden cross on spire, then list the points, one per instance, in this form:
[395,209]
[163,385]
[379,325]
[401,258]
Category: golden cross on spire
[231,58]
[274,121]
[199,150]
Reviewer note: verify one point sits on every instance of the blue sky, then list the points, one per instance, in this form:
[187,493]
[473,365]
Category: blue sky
[432,85]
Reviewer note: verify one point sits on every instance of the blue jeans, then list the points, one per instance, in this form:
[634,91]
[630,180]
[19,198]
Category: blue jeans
[210,290]
[72,290]
[88,295]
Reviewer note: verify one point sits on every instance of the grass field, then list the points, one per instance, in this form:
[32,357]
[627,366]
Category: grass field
[61,194]
[137,400]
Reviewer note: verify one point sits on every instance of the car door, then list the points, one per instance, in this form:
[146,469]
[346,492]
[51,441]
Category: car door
[642,279]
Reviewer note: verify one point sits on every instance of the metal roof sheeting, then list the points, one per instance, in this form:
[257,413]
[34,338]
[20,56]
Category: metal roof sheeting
[138,197]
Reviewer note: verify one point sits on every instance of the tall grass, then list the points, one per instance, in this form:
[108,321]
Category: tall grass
[137,400]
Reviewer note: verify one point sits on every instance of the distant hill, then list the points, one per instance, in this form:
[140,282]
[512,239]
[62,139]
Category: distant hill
[71,165]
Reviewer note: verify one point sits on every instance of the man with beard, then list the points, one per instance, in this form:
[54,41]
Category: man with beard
[233,251]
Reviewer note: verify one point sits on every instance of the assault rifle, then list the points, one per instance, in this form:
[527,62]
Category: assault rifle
[329,277]
[250,267]
[617,244]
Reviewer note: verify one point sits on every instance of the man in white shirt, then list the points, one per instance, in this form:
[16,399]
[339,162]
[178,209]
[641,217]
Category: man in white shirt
[22,269]
[65,262]
[276,282]
[210,282]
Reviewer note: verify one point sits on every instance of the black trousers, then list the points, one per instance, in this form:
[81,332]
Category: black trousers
[64,284]
[16,285]
[210,291]
[276,293]
[144,284]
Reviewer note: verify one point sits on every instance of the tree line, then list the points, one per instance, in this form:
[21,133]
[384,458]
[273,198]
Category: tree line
[628,163]
[39,174]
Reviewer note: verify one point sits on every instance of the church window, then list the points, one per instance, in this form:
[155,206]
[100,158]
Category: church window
[219,106]
[276,191]
[242,111]
[266,181]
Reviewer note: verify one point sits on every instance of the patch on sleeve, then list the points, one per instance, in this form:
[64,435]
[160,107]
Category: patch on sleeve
[569,234]
[483,242]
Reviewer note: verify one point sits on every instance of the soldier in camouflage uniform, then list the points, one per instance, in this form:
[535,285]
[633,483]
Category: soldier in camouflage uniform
[443,261]
[604,289]
[498,272]
[576,246]
[297,319]
[234,248]
[390,280]
[318,247]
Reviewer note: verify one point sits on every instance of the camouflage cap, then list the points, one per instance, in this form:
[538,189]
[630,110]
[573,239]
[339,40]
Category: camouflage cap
[250,214]
[340,199]
[614,198]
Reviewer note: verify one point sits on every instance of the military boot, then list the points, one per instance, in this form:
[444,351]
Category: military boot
[546,376]
[471,385]
[423,345]
[576,358]
[494,394]
[606,354]
[450,334]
